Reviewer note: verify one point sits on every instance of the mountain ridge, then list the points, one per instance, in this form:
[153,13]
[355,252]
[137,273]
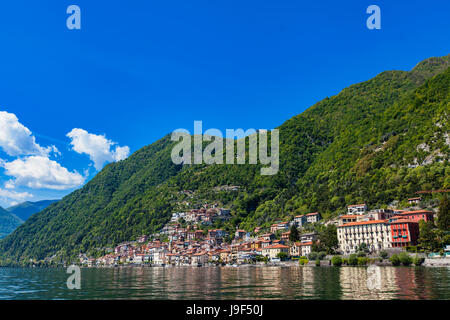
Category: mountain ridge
[26,209]
[8,222]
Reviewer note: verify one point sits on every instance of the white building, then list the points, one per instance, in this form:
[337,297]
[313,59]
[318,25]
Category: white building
[299,221]
[305,248]
[199,259]
[159,256]
[308,237]
[313,217]
[376,234]
[357,209]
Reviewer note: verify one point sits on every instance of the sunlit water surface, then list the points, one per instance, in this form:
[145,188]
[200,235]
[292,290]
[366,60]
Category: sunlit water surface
[226,283]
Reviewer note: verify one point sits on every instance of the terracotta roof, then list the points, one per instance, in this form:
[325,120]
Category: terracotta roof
[357,205]
[416,212]
[362,223]
[277,246]
[348,216]
[403,220]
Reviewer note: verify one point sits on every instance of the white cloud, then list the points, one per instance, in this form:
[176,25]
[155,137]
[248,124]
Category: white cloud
[98,147]
[16,139]
[16,196]
[40,172]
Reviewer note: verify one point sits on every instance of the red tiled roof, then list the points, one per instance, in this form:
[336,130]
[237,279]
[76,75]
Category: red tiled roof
[403,220]
[362,223]
[416,212]
[348,216]
[357,205]
[277,246]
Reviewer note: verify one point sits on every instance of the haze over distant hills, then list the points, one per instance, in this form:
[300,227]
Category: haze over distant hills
[8,222]
[375,142]
[26,209]
[14,216]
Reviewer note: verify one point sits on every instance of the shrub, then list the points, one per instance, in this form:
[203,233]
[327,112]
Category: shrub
[383,254]
[302,261]
[405,258]
[353,260]
[418,260]
[411,248]
[395,260]
[344,261]
[336,261]
[317,263]
[362,261]
[282,255]
[313,256]
[321,255]
[361,254]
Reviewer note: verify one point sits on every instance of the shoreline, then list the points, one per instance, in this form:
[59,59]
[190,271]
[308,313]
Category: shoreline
[287,264]
[428,262]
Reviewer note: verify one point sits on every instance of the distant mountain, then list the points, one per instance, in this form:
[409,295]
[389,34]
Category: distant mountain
[8,222]
[376,141]
[27,209]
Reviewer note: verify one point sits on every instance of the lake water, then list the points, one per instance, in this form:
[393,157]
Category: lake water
[226,283]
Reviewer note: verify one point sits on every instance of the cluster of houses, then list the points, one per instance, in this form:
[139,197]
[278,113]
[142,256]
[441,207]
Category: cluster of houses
[204,250]
[204,216]
[190,246]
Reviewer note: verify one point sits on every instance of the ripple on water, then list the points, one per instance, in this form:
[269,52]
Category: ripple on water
[226,283]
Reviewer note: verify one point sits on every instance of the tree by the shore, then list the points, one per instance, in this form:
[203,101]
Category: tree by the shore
[443,221]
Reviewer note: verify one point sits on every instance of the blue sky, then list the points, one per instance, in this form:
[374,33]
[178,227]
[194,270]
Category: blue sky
[138,70]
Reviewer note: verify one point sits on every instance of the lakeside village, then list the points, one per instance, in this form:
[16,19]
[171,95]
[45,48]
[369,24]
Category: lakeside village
[378,232]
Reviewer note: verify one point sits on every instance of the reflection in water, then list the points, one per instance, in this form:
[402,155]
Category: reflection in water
[354,284]
[227,283]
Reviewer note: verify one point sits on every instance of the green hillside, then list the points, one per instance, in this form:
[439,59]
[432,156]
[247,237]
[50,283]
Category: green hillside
[8,222]
[376,141]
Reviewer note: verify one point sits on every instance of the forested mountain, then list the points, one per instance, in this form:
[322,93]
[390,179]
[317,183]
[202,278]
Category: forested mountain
[376,141]
[8,222]
[27,209]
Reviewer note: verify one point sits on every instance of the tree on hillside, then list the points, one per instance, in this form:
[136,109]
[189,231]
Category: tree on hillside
[294,235]
[427,238]
[443,221]
[328,239]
